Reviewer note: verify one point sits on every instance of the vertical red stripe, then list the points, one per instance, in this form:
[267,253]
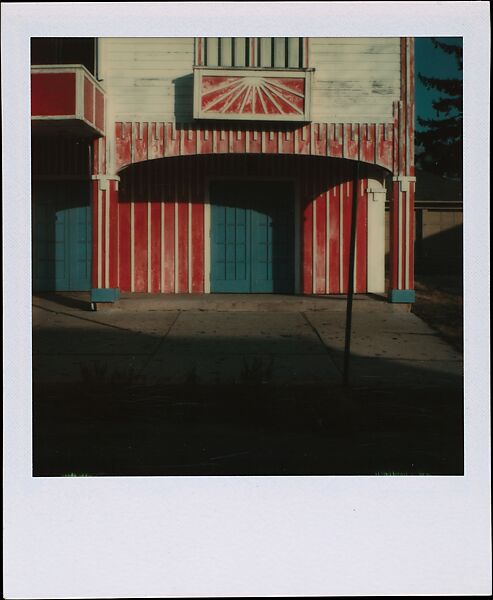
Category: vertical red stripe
[335,148]
[88,100]
[172,140]
[182,230]
[303,134]
[255,144]
[113,196]
[198,230]
[169,235]
[156,148]
[270,141]
[103,238]
[140,141]
[199,51]
[394,237]
[403,113]
[123,141]
[124,246]
[205,145]
[239,145]
[411,106]
[395,139]
[99,113]
[361,238]
[189,144]
[346,239]
[402,243]
[411,236]
[320,239]
[140,236]
[222,140]
[306,232]
[155,257]
[95,187]
[334,224]
[103,155]
[320,139]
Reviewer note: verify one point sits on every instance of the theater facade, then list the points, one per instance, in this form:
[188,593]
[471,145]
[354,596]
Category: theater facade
[222,165]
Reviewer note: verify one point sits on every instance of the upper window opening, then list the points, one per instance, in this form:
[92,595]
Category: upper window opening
[268,53]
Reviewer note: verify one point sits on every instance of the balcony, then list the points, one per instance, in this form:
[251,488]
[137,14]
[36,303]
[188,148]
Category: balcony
[255,94]
[66,99]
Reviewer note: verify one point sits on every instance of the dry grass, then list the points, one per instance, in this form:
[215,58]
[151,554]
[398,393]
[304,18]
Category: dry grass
[439,302]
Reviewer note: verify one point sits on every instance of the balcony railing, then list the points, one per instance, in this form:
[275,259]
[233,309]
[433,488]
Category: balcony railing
[255,94]
[66,96]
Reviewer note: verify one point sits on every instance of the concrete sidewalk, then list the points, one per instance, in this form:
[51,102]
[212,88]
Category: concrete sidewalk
[218,339]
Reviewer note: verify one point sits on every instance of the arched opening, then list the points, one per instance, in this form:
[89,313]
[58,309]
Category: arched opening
[243,223]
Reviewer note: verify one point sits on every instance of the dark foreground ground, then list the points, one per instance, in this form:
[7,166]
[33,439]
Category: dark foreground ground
[439,302]
[127,429]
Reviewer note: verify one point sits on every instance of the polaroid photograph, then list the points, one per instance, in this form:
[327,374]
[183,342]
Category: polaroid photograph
[246,288]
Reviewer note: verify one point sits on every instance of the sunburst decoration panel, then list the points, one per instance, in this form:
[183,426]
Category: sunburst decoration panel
[255,95]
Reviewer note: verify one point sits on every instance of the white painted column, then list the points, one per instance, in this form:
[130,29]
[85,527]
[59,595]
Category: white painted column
[376,237]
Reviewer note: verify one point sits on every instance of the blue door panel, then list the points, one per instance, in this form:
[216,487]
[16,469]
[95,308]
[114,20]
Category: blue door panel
[62,236]
[252,237]
[229,249]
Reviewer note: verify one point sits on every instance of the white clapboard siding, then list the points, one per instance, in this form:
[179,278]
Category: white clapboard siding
[148,78]
[355,79]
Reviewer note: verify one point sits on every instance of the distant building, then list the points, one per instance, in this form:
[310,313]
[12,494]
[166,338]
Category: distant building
[439,231]
[202,165]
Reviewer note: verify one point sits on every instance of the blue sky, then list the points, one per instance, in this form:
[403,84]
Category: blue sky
[432,62]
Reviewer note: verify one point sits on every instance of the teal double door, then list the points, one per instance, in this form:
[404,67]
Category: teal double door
[252,236]
[62,236]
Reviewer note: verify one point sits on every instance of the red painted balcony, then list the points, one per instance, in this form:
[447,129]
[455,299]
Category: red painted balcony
[255,94]
[66,98]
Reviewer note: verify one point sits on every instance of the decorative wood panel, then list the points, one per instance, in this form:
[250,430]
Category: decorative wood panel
[258,94]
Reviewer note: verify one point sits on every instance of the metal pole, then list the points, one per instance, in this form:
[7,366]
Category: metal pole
[352,251]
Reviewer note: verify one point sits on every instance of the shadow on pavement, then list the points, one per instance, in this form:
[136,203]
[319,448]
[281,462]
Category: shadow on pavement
[111,401]
[78,301]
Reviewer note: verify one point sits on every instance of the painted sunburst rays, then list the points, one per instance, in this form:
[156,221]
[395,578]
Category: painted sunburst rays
[253,95]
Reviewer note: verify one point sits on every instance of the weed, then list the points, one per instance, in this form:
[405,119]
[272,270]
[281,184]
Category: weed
[97,374]
[256,372]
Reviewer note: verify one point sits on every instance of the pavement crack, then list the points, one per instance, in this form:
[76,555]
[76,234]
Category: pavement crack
[158,346]
[324,345]
[59,312]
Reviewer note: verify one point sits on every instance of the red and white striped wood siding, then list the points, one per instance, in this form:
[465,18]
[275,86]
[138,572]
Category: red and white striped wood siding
[374,143]
[105,217]
[161,246]
[402,205]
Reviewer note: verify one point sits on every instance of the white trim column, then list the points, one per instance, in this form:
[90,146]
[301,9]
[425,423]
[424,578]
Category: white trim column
[376,237]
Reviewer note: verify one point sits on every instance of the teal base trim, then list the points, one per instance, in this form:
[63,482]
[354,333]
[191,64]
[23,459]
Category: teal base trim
[403,296]
[105,294]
